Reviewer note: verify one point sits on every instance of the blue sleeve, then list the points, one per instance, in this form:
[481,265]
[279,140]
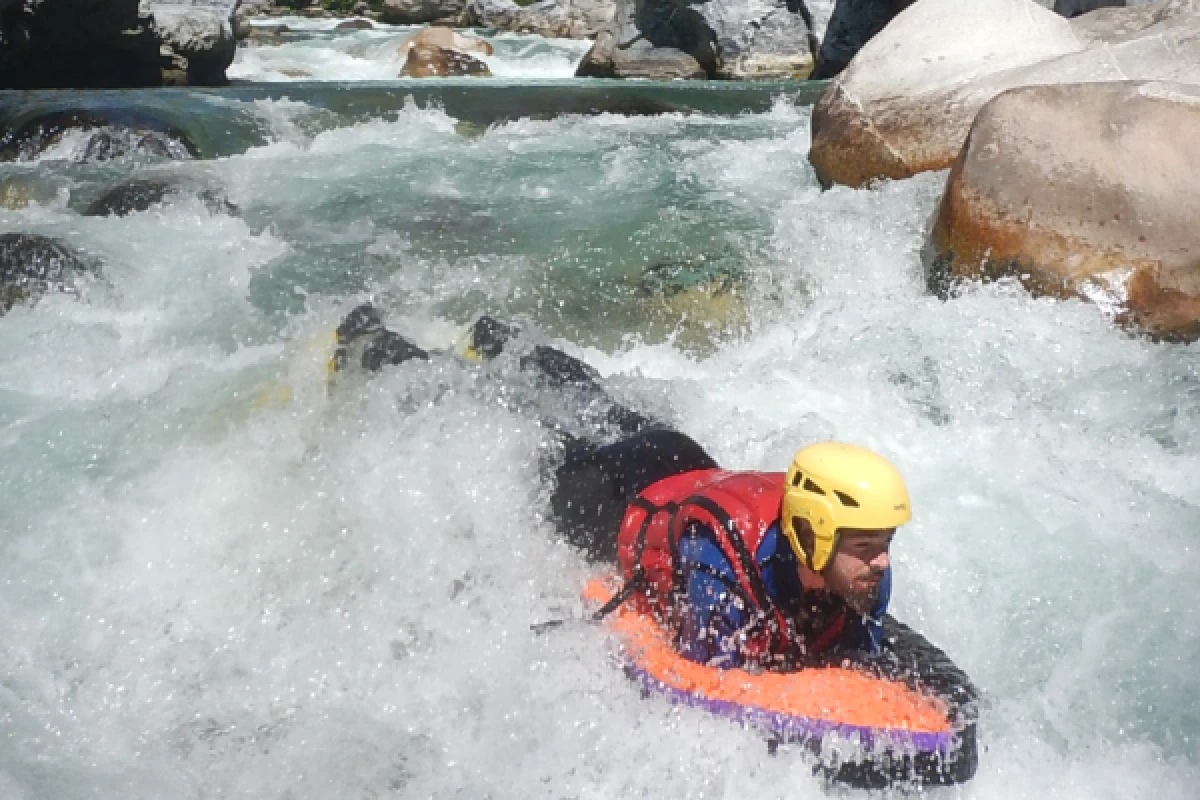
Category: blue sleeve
[866,632]
[713,614]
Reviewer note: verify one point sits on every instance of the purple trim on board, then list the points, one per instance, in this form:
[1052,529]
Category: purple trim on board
[792,727]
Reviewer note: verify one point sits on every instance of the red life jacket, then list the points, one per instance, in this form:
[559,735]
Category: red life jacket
[739,508]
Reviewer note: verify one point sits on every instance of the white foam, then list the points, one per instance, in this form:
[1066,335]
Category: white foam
[209,588]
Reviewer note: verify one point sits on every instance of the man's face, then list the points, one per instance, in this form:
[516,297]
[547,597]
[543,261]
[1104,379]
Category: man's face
[857,566]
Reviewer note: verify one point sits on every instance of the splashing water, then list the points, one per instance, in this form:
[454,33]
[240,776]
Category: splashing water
[212,588]
[314,50]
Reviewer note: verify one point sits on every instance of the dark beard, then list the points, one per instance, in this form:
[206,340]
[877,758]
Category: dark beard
[863,601]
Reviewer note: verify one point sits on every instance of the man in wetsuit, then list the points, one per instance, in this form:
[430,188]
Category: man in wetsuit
[759,570]
[749,569]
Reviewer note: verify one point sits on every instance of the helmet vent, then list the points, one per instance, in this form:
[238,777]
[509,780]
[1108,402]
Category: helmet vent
[846,499]
[797,479]
[809,486]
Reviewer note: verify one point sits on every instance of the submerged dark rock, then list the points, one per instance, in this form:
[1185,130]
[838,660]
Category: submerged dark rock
[31,265]
[113,135]
[140,195]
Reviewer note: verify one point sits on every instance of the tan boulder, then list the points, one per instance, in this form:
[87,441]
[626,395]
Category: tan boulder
[438,62]
[447,39]
[1086,190]
[905,103]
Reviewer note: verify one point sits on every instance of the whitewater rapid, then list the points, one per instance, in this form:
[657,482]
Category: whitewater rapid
[313,49]
[221,576]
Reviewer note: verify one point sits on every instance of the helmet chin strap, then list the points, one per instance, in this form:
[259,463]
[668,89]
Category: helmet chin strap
[809,579]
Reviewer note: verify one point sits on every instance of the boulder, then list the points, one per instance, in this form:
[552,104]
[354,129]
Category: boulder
[907,100]
[427,61]
[447,39]
[417,12]
[32,265]
[115,43]
[267,33]
[198,35]
[731,39]
[555,19]
[140,195]
[107,137]
[1089,190]
[854,22]
[355,25]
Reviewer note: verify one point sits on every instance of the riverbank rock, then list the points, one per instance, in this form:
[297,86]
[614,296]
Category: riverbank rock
[417,12]
[32,265]
[1088,190]
[907,100]
[554,19]
[200,37]
[115,43]
[729,39]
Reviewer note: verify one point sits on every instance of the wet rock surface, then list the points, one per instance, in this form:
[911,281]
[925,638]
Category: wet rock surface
[32,265]
[141,195]
[106,137]
[1086,190]
[431,61]
[907,100]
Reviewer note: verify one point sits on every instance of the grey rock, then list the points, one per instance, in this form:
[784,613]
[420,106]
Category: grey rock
[760,38]
[198,34]
[556,19]
[416,12]
[665,39]
[32,265]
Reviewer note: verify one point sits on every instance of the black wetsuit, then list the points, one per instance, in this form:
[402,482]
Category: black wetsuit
[595,480]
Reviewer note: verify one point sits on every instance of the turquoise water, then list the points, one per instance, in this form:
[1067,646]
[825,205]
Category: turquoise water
[210,586]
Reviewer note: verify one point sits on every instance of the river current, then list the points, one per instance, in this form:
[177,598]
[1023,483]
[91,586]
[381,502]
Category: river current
[222,576]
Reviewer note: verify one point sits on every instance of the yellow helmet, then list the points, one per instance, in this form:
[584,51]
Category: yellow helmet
[835,486]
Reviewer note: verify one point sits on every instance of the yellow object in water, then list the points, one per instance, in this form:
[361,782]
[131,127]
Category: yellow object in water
[834,486]
[319,355]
